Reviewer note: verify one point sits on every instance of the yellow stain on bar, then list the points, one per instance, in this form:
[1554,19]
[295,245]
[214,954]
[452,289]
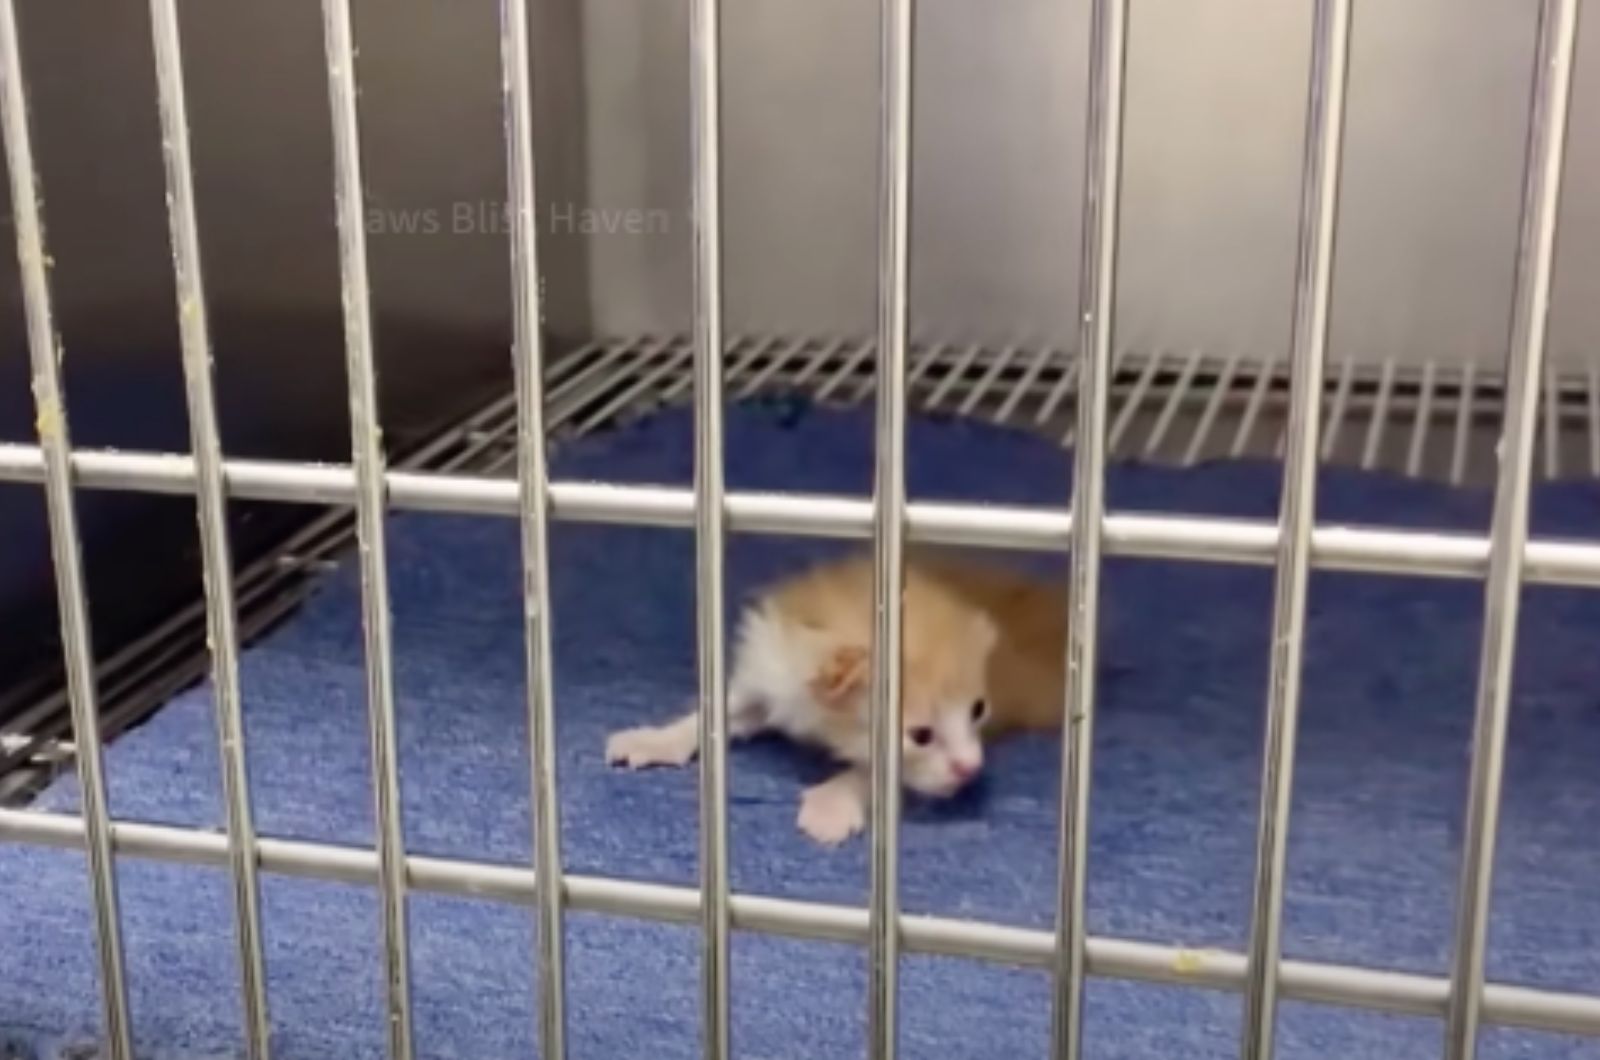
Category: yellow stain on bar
[49,420]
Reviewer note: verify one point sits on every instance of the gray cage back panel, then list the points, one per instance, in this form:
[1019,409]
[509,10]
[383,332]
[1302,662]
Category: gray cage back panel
[1437,119]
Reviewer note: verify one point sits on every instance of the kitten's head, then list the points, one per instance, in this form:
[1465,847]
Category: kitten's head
[944,696]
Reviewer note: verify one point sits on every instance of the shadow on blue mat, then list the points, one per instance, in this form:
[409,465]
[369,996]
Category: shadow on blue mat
[1390,671]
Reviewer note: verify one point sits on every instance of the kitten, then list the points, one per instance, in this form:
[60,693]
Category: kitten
[983,651]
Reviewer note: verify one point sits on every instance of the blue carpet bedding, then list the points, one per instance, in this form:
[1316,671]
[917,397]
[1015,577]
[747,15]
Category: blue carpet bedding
[1391,666]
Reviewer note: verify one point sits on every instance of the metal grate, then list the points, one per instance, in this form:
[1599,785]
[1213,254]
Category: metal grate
[1430,423]
[35,740]
[1434,422]
[1162,409]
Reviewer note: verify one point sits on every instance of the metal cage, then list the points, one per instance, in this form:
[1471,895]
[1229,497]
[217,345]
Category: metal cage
[1310,401]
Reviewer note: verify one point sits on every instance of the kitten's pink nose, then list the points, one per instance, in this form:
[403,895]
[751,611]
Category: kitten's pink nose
[965,768]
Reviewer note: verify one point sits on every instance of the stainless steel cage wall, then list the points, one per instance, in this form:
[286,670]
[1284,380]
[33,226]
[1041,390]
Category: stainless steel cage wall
[1505,559]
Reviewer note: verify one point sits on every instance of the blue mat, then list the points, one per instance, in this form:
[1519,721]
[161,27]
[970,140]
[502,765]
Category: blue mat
[1391,666]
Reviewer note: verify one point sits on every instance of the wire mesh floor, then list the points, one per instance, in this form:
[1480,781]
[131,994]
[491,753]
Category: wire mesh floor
[1434,423]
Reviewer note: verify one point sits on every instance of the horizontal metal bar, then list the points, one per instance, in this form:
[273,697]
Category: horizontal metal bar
[216,547]
[1252,542]
[1109,958]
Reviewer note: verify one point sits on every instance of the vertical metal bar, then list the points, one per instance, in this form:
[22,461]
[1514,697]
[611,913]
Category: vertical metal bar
[1319,209]
[1058,393]
[216,555]
[1219,394]
[889,522]
[918,363]
[368,459]
[1509,532]
[1380,416]
[1341,400]
[705,40]
[532,480]
[1420,425]
[1097,285]
[1118,361]
[55,442]
[744,351]
[1464,414]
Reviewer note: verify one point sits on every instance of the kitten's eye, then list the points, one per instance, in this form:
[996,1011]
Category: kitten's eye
[980,710]
[922,736]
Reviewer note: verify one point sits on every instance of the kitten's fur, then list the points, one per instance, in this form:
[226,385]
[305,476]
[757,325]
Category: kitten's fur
[983,651]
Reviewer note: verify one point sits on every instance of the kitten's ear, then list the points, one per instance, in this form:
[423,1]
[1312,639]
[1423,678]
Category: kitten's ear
[842,674]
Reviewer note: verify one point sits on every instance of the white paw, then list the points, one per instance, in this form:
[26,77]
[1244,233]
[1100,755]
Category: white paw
[831,814]
[644,747]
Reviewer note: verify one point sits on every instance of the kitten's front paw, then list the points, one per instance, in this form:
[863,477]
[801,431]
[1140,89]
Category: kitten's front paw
[644,747]
[830,813]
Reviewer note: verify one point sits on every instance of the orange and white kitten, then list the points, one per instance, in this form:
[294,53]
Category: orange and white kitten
[983,651]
